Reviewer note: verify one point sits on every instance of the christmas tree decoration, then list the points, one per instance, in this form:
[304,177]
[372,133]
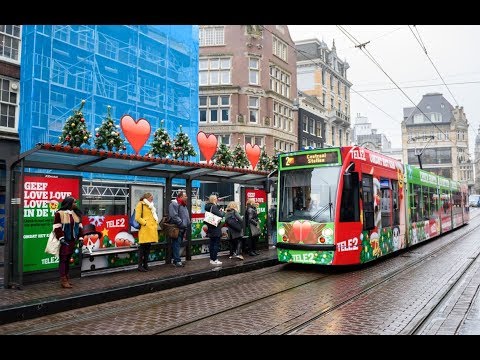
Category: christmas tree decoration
[162,144]
[182,147]
[223,156]
[274,161]
[107,136]
[75,131]
[265,163]
[239,157]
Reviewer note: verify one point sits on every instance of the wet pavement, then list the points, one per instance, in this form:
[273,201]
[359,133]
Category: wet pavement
[48,297]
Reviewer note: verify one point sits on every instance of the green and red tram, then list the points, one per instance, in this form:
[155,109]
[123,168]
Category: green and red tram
[351,205]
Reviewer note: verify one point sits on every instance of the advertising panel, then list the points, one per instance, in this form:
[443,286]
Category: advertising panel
[260,197]
[43,196]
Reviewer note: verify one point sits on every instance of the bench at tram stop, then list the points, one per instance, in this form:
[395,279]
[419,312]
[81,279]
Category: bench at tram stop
[225,244]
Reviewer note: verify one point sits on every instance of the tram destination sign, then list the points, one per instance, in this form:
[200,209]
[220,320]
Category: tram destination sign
[311,159]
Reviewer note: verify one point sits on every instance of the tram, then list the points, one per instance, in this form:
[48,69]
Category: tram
[350,205]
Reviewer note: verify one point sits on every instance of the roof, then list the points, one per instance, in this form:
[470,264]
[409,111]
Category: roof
[435,102]
[58,157]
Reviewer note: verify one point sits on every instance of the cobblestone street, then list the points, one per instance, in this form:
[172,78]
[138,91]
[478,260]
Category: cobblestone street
[430,289]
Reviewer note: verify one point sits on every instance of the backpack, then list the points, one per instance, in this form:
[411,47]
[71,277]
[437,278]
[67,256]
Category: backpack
[134,223]
[165,220]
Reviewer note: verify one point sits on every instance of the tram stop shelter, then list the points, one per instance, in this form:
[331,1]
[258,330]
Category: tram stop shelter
[74,159]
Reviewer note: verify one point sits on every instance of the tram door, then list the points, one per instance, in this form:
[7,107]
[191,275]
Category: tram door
[368,202]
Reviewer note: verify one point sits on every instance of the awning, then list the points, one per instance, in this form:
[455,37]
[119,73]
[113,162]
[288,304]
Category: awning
[57,157]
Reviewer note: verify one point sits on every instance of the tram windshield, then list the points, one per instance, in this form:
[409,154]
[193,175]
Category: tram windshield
[308,194]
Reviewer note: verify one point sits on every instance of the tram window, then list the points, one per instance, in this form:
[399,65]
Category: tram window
[350,209]
[367,191]
[386,208]
[425,203]
[396,204]
[415,203]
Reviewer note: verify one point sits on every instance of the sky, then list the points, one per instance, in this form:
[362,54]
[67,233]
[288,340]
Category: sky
[454,50]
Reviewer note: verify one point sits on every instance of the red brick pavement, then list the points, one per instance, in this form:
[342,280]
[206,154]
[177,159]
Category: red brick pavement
[51,292]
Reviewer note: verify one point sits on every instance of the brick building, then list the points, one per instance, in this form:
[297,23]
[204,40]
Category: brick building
[247,85]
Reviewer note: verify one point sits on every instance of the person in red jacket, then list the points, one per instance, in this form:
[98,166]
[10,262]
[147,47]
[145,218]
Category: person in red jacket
[68,229]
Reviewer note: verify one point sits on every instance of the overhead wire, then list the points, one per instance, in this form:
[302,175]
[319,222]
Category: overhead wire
[305,54]
[422,45]
[367,53]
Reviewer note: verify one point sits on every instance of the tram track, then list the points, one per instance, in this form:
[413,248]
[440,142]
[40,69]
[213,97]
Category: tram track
[146,304]
[304,320]
[291,330]
[291,326]
[425,319]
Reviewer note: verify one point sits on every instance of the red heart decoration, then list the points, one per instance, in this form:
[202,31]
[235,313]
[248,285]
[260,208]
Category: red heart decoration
[136,132]
[306,228]
[207,144]
[253,154]
[301,231]
[297,231]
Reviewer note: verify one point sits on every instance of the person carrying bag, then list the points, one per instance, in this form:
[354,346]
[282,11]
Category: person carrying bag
[214,232]
[146,216]
[252,221]
[235,226]
[179,216]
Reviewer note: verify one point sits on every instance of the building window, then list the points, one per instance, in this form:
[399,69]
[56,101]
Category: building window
[10,42]
[331,82]
[214,108]
[319,129]
[311,126]
[279,81]
[323,81]
[323,99]
[211,35]
[253,67]
[283,116]
[253,106]
[435,117]
[333,136]
[340,142]
[214,71]
[332,103]
[223,139]
[280,48]
[8,106]
[254,140]
[305,123]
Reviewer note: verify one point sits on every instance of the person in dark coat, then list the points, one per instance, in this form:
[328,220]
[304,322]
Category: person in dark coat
[251,218]
[178,212]
[235,226]
[214,232]
[67,226]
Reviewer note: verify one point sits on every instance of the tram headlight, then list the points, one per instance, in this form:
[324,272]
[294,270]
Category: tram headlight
[281,231]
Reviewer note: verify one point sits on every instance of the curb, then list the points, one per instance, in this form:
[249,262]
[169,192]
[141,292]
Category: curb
[53,305]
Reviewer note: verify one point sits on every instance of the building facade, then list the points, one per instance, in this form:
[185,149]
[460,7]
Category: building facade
[311,122]
[146,71]
[364,135]
[443,136]
[477,163]
[247,85]
[321,73]
[10,57]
